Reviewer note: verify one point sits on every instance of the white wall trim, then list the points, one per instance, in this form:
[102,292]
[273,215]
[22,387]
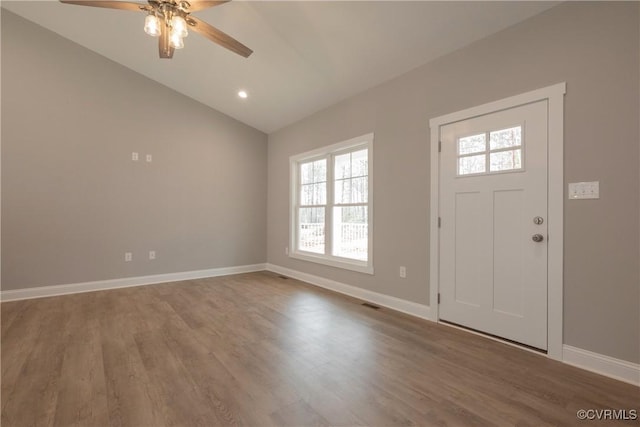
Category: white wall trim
[548,92]
[408,307]
[622,370]
[101,285]
[555,96]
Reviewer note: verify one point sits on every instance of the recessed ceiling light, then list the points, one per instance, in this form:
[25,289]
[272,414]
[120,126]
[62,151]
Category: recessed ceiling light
[242,94]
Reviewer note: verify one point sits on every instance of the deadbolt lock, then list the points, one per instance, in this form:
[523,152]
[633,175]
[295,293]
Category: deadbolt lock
[538,220]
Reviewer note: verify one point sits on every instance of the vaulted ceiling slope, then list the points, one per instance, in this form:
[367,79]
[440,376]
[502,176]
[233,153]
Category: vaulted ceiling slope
[307,55]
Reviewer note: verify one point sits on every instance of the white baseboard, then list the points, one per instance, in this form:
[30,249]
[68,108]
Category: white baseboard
[101,285]
[398,304]
[600,364]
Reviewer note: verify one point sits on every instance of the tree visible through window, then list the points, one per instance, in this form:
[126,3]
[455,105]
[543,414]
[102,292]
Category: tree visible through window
[313,199]
[350,228]
[504,152]
[331,205]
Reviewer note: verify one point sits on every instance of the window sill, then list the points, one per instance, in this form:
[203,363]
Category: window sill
[360,267]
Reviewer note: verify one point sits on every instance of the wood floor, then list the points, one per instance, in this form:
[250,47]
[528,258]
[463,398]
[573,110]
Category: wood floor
[259,350]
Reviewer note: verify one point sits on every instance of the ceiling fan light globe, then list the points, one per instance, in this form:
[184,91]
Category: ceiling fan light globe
[152,25]
[176,41]
[179,26]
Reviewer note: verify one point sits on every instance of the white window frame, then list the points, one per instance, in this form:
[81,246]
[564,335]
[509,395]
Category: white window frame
[329,153]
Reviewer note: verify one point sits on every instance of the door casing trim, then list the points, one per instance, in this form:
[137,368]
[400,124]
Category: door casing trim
[554,95]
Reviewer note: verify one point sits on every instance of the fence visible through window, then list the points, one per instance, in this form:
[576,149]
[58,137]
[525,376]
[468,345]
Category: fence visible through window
[352,241]
[312,237]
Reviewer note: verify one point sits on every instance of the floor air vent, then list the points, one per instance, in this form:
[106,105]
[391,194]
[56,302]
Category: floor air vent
[368,304]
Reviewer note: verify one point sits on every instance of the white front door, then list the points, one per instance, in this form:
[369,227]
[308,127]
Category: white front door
[493,235]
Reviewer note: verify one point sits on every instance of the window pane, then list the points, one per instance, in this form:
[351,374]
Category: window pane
[306,195]
[505,138]
[342,191]
[313,172]
[471,164]
[342,166]
[472,144]
[360,163]
[320,193]
[311,230]
[306,173]
[355,190]
[359,190]
[320,170]
[505,160]
[313,194]
[350,232]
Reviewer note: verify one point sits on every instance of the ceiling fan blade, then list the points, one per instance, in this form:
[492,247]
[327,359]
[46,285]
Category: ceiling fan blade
[218,36]
[196,5]
[164,48]
[136,7]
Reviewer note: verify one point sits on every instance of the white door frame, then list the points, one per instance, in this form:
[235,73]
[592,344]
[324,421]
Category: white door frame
[555,97]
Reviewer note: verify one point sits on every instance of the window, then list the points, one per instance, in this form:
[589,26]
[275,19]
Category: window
[331,205]
[503,154]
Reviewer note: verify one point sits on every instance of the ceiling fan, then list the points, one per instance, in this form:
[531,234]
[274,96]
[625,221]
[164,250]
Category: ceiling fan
[170,20]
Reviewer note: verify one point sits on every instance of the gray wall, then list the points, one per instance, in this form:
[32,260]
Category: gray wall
[594,47]
[73,201]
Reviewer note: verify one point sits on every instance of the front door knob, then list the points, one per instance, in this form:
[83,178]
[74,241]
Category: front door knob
[537,238]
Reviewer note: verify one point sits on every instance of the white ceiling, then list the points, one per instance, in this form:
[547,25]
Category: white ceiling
[307,55]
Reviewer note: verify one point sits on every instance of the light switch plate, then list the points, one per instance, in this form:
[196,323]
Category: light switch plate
[584,190]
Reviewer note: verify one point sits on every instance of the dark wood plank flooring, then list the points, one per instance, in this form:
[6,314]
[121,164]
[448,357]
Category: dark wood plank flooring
[259,350]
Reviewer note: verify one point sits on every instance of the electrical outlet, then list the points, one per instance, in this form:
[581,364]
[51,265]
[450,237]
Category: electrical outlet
[152,254]
[128,256]
[286,251]
[149,158]
[134,156]
[403,272]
